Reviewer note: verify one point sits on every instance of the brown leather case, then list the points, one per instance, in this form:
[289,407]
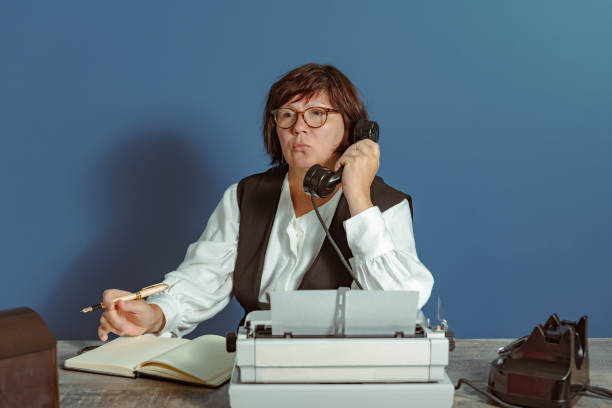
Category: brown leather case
[28,360]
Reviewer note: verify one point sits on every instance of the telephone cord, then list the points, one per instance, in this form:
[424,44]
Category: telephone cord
[599,391]
[346,265]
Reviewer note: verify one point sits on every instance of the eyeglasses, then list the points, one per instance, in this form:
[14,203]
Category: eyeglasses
[314,117]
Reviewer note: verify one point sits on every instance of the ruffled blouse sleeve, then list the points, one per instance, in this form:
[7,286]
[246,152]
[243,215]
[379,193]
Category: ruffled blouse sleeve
[384,253]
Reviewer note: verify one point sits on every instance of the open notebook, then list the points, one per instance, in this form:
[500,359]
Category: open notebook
[203,360]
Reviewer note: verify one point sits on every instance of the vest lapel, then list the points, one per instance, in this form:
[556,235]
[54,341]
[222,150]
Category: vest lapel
[258,198]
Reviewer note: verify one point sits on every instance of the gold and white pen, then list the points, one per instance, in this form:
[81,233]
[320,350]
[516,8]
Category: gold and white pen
[141,294]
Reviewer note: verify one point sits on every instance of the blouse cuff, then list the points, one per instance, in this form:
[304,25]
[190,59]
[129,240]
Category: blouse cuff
[169,307]
[367,235]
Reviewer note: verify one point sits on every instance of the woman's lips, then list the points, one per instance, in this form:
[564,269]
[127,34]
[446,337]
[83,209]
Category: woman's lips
[300,148]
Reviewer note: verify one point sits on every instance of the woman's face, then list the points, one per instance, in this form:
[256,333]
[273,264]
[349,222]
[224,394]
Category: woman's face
[304,146]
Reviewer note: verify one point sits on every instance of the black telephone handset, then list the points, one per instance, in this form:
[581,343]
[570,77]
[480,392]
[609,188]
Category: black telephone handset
[320,181]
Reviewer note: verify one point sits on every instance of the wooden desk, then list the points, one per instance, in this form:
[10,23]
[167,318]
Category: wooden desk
[470,360]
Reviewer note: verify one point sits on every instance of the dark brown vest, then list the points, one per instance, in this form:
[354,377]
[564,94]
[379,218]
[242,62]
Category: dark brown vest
[258,197]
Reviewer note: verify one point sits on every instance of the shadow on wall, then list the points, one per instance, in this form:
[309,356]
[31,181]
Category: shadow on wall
[150,199]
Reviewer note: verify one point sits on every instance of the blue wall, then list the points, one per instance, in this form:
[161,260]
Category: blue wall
[124,122]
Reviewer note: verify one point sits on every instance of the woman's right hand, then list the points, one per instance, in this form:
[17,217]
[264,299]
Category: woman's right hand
[129,318]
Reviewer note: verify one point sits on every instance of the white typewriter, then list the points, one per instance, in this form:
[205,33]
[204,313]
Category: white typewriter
[340,348]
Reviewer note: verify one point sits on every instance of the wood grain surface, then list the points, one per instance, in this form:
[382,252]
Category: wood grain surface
[470,360]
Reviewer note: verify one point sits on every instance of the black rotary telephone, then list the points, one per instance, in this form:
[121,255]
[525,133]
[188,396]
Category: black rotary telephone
[320,181]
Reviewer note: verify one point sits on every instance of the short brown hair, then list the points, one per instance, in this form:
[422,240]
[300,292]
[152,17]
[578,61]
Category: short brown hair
[306,81]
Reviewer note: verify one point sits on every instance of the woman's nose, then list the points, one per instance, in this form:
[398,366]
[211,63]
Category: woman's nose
[300,123]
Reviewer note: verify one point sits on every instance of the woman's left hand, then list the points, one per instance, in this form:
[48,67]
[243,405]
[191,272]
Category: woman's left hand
[361,162]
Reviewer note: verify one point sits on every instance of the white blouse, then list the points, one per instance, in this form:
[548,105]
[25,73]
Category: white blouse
[384,257]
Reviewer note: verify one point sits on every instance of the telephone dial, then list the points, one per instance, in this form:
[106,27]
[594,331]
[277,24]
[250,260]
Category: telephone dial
[320,181]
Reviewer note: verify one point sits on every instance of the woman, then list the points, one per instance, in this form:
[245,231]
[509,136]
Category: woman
[264,237]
